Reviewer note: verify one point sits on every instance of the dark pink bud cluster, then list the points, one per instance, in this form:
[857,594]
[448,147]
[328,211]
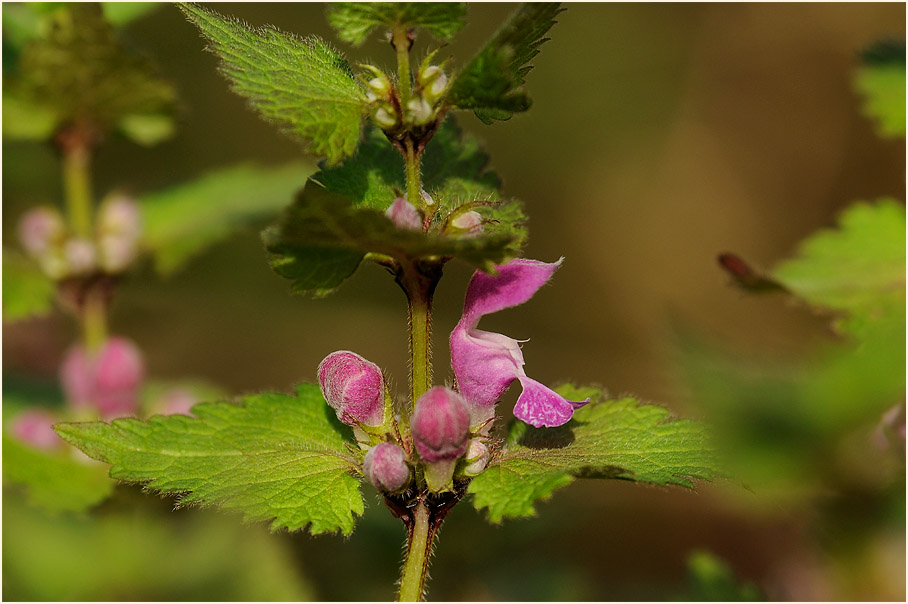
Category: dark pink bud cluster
[106,380]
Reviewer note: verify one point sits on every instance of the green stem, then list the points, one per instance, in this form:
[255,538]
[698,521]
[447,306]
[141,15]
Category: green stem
[416,562]
[414,195]
[419,288]
[77,188]
[94,320]
[401,42]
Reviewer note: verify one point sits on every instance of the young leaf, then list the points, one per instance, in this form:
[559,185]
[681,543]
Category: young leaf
[182,221]
[273,457]
[302,84]
[492,82]
[354,21]
[618,438]
[54,480]
[27,292]
[858,267]
[881,80]
[321,240]
[80,71]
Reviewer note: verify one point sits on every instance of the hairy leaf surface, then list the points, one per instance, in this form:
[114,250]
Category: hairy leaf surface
[354,21]
[181,221]
[302,84]
[491,84]
[619,438]
[273,457]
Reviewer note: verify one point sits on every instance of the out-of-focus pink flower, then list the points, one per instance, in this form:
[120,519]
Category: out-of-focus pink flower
[35,427]
[404,215]
[119,229]
[354,387]
[40,229]
[107,380]
[486,363]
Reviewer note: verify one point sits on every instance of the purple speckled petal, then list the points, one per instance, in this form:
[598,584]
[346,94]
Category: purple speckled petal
[540,406]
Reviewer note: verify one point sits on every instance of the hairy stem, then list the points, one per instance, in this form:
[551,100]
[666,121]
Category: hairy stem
[77,188]
[419,285]
[416,562]
[401,42]
[413,186]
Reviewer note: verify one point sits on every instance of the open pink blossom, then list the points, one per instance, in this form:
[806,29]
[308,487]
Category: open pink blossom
[486,363]
[107,380]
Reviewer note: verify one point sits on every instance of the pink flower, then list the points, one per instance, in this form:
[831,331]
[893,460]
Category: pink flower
[35,427]
[107,380]
[486,363]
[385,466]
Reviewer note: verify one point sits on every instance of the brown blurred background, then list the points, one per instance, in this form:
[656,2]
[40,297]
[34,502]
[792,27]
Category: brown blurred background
[661,135]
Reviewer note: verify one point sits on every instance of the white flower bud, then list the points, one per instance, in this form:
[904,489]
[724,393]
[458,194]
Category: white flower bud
[384,118]
[79,255]
[420,111]
[40,230]
[469,222]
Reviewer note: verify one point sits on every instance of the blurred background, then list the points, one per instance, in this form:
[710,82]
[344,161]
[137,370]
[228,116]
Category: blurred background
[660,136]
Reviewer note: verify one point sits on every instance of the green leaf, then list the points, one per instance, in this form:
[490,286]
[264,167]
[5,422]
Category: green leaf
[26,120]
[27,292]
[302,84]
[882,83]
[123,13]
[272,457]
[147,130]
[322,238]
[139,551]
[711,580]
[492,82]
[355,20]
[54,480]
[858,267]
[182,221]
[80,71]
[618,438]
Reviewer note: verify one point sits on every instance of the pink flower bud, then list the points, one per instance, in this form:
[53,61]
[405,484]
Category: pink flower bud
[80,256]
[385,466]
[35,427]
[404,215]
[119,229]
[354,387]
[109,380]
[477,457]
[468,222]
[440,425]
[40,229]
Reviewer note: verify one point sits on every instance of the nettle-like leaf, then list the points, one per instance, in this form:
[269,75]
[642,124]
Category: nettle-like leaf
[338,218]
[302,84]
[858,267]
[55,480]
[619,438]
[881,80]
[354,21]
[492,82]
[181,221]
[80,71]
[276,457]
[27,292]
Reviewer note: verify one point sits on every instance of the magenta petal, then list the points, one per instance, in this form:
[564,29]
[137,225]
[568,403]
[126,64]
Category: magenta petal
[540,406]
[485,364]
[515,283]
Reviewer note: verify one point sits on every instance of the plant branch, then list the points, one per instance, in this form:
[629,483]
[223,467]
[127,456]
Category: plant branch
[416,562]
[401,42]
[77,187]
